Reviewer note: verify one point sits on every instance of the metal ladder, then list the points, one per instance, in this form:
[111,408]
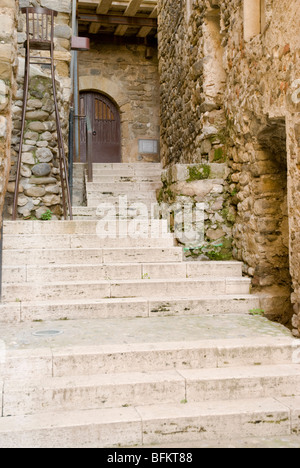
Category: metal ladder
[40,37]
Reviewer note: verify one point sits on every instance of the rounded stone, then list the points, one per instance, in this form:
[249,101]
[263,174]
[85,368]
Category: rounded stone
[25,171]
[35,192]
[44,155]
[41,170]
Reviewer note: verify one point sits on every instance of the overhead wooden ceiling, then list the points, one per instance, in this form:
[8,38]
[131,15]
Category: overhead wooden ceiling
[119,18]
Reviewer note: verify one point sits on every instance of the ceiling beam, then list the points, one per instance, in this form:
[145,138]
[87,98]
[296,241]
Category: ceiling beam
[144,31]
[103,7]
[94,28]
[109,20]
[131,10]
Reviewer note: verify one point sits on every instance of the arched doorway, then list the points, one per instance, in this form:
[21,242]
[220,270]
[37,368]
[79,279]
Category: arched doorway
[105,120]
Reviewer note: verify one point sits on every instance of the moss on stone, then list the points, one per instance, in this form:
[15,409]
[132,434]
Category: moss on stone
[200,172]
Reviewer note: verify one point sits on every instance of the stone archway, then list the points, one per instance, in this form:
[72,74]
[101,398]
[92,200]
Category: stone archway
[114,92]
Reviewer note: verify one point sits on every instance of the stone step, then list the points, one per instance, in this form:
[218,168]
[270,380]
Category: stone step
[90,347]
[122,187]
[63,227]
[133,205]
[102,178]
[91,256]
[134,166]
[115,196]
[96,272]
[155,424]
[184,288]
[127,308]
[89,212]
[84,241]
[22,397]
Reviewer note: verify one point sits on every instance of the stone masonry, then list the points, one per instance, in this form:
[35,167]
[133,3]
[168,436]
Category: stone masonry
[8,46]
[230,90]
[122,72]
[40,186]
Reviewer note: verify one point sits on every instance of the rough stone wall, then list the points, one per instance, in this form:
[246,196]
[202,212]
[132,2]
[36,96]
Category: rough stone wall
[262,147]
[203,187]
[192,83]
[256,120]
[8,46]
[40,186]
[124,74]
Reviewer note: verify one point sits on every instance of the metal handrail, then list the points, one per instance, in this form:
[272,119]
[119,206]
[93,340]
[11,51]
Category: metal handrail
[89,143]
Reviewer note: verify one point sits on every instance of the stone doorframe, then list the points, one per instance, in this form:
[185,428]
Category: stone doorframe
[113,91]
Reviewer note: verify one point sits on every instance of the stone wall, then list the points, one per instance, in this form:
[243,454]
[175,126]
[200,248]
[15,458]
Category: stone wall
[205,234]
[40,186]
[8,46]
[229,90]
[263,153]
[192,84]
[123,73]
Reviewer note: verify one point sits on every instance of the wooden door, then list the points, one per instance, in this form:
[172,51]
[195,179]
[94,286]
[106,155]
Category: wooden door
[105,120]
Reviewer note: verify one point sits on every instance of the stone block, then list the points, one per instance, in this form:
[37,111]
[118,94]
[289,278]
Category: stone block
[6,57]
[62,6]
[44,155]
[41,170]
[6,26]
[35,192]
[7,3]
[42,180]
[3,126]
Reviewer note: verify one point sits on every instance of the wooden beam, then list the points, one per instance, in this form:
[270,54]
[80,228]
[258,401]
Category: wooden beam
[144,31]
[131,10]
[103,7]
[114,20]
[94,28]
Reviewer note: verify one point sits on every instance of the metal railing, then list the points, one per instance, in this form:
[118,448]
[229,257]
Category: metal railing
[89,144]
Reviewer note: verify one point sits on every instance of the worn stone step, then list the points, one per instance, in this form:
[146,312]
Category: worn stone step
[65,227]
[148,388]
[91,256]
[134,166]
[90,347]
[88,212]
[124,288]
[128,169]
[127,308]
[94,272]
[151,424]
[133,205]
[77,241]
[122,187]
[100,178]
[92,392]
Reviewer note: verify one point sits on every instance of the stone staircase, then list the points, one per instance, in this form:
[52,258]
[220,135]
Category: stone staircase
[149,349]
[138,182]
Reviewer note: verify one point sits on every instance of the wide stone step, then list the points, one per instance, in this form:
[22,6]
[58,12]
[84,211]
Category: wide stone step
[128,170]
[91,256]
[125,288]
[65,227]
[90,272]
[88,212]
[77,241]
[148,388]
[127,308]
[155,424]
[133,205]
[90,347]
[102,178]
[122,187]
